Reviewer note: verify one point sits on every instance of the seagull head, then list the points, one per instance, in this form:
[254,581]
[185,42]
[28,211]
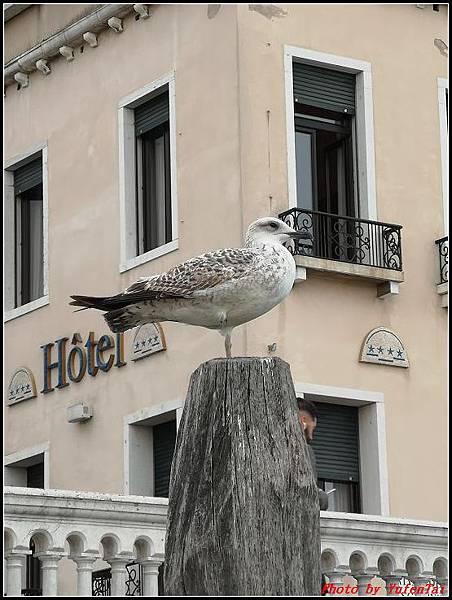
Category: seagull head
[270,230]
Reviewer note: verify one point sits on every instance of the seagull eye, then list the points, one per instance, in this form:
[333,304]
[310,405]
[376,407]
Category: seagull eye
[273,225]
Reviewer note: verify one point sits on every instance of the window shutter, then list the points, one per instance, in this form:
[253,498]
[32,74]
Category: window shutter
[164,444]
[336,442]
[324,88]
[28,176]
[152,114]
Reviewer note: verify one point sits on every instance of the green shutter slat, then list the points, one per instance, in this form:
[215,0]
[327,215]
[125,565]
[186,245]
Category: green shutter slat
[164,436]
[152,114]
[336,442]
[28,176]
[324,88]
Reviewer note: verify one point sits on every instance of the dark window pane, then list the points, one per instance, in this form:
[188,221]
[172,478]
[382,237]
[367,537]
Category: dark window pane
[304,144]
[35,476]
[154,197]
[344,498]
[32,574]
[29,246]
[164,436]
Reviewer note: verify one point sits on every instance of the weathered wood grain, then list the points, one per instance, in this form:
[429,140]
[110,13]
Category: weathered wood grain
[243,515]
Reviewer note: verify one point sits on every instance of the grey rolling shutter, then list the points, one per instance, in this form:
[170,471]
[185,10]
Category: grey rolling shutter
[336,442]
[324,88]
[152,114]
[28,176]
[164,443]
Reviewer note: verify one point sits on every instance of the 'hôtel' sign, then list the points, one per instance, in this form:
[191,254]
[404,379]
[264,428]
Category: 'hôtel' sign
[91,356]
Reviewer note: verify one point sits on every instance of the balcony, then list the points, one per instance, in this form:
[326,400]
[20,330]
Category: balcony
[346,246]
[86,527]
[443,283]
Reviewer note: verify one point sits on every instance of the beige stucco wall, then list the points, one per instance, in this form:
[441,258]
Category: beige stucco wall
[231,158]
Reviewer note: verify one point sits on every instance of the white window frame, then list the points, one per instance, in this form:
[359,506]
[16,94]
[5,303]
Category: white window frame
[364,122]
[13,461]
[374,484]
[10,166]
[443,85]
[127,174]
[138,446]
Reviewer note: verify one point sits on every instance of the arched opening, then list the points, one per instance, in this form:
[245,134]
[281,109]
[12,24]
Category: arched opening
[33,574]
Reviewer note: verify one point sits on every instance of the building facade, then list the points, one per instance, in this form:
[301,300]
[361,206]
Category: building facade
[138,136]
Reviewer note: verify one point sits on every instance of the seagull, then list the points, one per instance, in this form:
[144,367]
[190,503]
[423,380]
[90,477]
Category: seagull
[219,290]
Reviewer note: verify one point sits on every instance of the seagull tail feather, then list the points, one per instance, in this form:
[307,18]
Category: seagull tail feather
[122,319]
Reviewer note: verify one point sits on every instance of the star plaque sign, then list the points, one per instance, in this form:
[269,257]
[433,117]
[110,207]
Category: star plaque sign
[148,339]
[22,386]
[383,347]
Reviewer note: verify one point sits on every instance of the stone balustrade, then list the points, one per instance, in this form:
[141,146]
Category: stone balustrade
[84,527]
[383,554]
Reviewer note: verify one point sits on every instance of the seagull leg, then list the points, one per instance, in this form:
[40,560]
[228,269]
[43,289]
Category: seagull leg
[226,333]
[228,344]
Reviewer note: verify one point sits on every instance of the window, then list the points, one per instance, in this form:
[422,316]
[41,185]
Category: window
[25,233]
[164,440]
[324,102]
[153,174]
[27,472]
[150,441]
[337,91]
[147,173]
[336,448]
[29,246]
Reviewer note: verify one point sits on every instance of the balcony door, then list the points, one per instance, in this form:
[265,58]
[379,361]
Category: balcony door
[324,102]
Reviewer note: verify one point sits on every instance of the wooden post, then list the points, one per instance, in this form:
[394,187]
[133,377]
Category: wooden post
[243,514]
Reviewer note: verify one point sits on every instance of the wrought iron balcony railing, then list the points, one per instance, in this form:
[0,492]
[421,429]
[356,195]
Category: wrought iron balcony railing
[346,239]
[443,248]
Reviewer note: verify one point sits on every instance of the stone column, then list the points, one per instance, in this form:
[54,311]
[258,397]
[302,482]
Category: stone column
[336,578]
[421,581]
[118,575]
[84,574]
[49,570]
[394,579]
[15,560]
[150,576]
[443,581]
[363,579]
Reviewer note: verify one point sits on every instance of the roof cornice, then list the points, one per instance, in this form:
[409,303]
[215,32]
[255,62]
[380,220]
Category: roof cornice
[10,10]
[63,42]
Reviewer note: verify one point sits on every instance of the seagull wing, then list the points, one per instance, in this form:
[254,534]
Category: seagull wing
[183,281]
[196,274]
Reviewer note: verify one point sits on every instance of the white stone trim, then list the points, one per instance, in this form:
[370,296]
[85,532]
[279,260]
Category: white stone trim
[26,308]
[127,159]
[364,122]
[138,417]
[373,458]
[44,448]
[443,85]
[357,396]
[9,166]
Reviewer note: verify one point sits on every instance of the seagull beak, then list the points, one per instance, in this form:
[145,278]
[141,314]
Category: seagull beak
[301,235]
